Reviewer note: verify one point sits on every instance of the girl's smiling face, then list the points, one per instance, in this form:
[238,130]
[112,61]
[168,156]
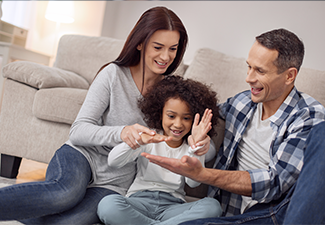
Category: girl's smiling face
[177,121]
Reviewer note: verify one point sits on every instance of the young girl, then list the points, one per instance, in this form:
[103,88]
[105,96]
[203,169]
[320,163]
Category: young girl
[78,176]
[173,108]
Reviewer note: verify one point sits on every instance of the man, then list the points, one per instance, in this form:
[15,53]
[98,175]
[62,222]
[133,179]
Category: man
[265,136]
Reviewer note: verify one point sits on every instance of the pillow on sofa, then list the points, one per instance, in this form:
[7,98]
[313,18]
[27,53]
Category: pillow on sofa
[40,76]
[225,74]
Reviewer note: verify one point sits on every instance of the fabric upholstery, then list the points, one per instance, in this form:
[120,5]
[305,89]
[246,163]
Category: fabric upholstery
[312,82]
[58,104]
[224,73]
[40,76]
[22,134]
[85,55]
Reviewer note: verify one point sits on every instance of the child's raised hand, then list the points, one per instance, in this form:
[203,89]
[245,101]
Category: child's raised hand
[200,130]
[154,139]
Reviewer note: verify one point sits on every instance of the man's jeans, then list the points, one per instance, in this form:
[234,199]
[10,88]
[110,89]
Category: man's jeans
[304,203]
[63,198]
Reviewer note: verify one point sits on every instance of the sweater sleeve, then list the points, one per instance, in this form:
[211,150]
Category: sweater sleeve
[88,128]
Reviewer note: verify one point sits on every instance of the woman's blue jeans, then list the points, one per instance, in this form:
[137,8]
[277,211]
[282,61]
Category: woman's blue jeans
[304,203]
[63,198]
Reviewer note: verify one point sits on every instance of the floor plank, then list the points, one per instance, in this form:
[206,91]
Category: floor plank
[31,171]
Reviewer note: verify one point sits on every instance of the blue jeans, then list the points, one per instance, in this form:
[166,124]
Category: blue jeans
[308,202]
[63,198]
[154,207]
[304,203]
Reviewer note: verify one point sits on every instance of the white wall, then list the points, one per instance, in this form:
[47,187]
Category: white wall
[230,26]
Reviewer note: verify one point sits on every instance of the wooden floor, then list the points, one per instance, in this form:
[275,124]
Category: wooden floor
[31,171]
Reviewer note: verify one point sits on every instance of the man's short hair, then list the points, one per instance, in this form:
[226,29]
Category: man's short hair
[289,46]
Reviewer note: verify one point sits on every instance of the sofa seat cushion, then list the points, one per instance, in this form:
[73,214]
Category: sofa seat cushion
[58,104]
[225,74]
[40,76]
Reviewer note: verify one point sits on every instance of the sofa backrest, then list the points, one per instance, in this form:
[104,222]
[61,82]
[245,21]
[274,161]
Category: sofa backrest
[85,55]
[226,75]
[312,82]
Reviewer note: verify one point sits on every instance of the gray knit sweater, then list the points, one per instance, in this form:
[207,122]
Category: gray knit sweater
[111,104]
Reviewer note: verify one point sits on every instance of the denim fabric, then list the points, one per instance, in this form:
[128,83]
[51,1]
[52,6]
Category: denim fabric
[154,207]
[270,213]
[308,202]
[305,202]
[63,198]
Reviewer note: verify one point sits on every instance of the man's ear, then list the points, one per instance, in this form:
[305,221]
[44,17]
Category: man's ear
[291,75]
[139,47]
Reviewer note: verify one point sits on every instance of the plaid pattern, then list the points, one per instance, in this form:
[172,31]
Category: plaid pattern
[291,125]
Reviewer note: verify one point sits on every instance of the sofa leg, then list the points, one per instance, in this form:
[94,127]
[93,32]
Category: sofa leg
[9,166]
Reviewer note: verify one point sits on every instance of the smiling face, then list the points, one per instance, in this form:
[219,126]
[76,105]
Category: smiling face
[160,51]
[176,121]
[267,85]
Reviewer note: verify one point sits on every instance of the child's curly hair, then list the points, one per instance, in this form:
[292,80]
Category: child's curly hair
[198,97]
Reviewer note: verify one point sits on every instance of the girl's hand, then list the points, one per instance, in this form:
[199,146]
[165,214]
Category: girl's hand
[130,135]
[205,143]
[199,135]
[200,130]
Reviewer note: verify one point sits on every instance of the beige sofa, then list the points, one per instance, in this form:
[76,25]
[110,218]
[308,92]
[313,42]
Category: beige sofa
[40,103]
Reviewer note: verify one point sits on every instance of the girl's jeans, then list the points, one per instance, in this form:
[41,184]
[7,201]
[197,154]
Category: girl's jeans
[63,198]
[305,202]
[154,207]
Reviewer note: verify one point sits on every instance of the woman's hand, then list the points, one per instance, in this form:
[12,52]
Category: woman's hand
[155,138]
[131,135]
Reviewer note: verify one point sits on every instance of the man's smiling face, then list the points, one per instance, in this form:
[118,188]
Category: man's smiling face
[266,84]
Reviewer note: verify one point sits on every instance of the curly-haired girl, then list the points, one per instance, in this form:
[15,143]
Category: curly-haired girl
[173,107]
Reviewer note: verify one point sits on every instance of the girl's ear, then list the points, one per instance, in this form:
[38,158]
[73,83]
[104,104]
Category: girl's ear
[139,47]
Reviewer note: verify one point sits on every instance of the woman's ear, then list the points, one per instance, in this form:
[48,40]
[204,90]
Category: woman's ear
[139,47]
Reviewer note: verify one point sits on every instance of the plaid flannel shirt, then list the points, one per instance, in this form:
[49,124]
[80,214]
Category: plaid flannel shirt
[291,125]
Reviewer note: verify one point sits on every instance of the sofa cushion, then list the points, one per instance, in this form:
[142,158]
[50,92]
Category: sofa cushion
[58,104]
[40,76]
[312,82]
[225,74]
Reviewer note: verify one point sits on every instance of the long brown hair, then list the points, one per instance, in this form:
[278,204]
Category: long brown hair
[154,19]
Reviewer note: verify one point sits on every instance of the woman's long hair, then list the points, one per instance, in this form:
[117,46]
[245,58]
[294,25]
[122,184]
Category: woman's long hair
[154,19]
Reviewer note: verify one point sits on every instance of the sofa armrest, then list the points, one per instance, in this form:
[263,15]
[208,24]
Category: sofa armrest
[40,76]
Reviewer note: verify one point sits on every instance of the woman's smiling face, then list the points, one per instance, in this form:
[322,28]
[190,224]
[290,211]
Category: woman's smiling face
[176,121]
[160,51]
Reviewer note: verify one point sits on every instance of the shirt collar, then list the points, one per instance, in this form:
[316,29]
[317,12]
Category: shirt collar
[285,108]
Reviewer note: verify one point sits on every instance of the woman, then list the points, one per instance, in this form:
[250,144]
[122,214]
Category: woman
[78,176]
